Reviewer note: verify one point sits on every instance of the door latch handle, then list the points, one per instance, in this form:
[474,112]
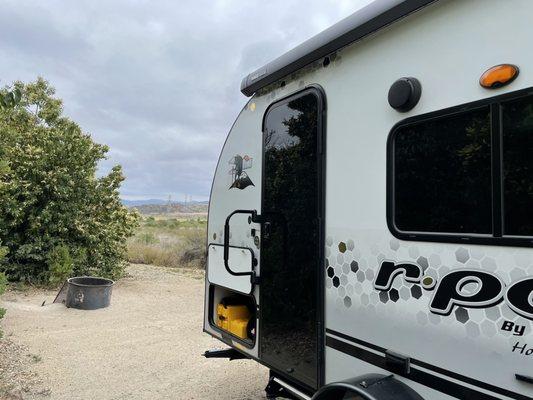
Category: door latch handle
[267,229]
[254,217]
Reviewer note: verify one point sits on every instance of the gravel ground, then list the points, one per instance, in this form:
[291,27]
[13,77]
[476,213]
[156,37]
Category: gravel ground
[146,345]
[18,380]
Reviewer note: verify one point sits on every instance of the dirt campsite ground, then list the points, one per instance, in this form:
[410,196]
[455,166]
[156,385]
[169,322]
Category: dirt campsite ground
[147,345]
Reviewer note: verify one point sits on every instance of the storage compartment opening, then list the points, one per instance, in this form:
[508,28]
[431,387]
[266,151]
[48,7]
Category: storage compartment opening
[234,314]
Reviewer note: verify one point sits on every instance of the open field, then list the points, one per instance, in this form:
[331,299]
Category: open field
[147,345]
[170,240]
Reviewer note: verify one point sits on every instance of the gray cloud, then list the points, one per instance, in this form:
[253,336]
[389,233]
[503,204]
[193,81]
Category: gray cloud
[158,81]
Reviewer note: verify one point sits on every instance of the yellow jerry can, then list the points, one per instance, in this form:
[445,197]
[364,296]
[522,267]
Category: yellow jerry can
[233,319]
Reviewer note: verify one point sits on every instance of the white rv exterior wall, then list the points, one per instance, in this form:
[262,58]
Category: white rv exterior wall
[245,138]
[447,46]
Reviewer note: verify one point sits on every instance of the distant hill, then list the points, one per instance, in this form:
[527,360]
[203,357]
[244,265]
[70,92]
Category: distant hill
[154,207]
[132,203]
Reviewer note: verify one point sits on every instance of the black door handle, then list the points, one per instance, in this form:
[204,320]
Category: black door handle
[267,229]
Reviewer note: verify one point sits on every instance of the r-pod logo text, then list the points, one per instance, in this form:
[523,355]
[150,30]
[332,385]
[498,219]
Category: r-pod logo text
[485,289]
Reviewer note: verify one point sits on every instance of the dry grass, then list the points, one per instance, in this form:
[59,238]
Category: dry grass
[170,242]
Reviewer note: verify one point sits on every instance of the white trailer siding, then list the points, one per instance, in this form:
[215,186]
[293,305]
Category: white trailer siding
[446,46]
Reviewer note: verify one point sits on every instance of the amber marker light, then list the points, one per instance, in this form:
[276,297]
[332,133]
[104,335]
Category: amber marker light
[499,76]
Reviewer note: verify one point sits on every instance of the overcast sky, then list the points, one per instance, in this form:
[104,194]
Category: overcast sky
[158,81]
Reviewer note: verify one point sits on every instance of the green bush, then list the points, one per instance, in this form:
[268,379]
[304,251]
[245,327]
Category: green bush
[184,246]
[147,238]
[3,285]
[195,252]
[60,264]
[51,197]
[150,221]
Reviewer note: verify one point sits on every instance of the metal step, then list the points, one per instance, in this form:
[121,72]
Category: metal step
[291,389]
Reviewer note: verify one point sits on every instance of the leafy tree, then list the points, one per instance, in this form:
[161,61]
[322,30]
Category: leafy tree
[3,285]
[8,99]
[51,200]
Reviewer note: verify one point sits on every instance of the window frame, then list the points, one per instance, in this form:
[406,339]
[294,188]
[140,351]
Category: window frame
[496,237]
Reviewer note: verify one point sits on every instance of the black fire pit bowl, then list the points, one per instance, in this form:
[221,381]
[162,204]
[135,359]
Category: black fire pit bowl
[89,293]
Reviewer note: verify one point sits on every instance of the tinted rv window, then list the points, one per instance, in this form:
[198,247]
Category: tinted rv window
[464,174]
[517,120]
[442,174]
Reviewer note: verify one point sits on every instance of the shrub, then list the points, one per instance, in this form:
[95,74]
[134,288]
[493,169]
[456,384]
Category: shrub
[194,253]
[3,285]
[50,196]
[60,264]
[147,238]
[181,247]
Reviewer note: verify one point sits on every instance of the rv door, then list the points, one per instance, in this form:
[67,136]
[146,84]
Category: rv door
[291,256]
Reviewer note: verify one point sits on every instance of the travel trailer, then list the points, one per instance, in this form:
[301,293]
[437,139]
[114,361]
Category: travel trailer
[370,228]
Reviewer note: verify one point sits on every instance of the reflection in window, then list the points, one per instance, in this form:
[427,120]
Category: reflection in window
[518,166]
[290,249]
[442,174]
[279,134]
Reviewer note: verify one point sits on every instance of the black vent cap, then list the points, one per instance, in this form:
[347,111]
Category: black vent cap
[404,94]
